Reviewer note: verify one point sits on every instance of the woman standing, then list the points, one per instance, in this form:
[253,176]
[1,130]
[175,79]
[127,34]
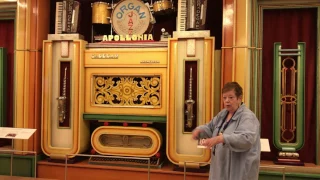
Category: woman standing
[234,138]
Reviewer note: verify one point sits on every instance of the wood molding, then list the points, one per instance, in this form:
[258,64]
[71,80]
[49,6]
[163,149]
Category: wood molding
[27,82]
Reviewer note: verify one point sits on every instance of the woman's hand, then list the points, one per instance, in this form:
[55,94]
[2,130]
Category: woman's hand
[210,142]
[195,133]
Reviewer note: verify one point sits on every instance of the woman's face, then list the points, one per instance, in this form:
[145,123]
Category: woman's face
[230,101]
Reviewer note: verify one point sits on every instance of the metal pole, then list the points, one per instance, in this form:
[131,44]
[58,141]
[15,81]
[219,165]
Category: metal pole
[11,159]
[35,164]
[12,151]
[149,169]
[65,167]
[184,170]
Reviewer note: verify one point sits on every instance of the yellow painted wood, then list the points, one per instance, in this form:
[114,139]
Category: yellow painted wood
[127,57]
[241,47]
[131,62]
[29,31]
[21,71]
[78,134]
[19,97]
[180,146]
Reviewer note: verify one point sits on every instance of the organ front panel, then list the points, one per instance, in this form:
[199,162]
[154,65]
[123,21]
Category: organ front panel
[63,130]
[190,97]
[140,98]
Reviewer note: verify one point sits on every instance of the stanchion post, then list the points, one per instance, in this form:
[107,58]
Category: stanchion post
[11,157]
[184,170]
[148,168]
[35,164]
[66,167]
[14,133]
[185,167]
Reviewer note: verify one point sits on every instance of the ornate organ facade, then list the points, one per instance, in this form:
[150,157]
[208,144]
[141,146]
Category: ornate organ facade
[137,101]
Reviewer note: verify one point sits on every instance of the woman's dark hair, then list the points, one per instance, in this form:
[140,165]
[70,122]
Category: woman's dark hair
[232,86]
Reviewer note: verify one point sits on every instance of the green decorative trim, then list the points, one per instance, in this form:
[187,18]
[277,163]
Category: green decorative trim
[277,98]
[288,149]
[259,21]
[8,16]
[125,118]
[3,86]
[22,165]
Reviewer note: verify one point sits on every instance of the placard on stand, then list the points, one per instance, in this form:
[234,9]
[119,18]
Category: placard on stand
[17,133]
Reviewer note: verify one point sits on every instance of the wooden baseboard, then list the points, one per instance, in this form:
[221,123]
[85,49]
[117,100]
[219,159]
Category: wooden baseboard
[84,170]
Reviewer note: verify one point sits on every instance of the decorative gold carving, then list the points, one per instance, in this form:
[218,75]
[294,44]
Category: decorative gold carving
[288,99]
[127,91]
[189,102]
[62,99]
[125,141]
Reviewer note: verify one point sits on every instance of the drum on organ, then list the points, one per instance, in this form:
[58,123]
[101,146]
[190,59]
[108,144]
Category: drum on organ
[101,13]
[163,7]
[127,17]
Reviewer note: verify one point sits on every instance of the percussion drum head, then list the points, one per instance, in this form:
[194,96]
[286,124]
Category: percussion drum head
[130,17]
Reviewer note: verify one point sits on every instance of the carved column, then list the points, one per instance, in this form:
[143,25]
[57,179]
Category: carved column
[236,45]
[32,27]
